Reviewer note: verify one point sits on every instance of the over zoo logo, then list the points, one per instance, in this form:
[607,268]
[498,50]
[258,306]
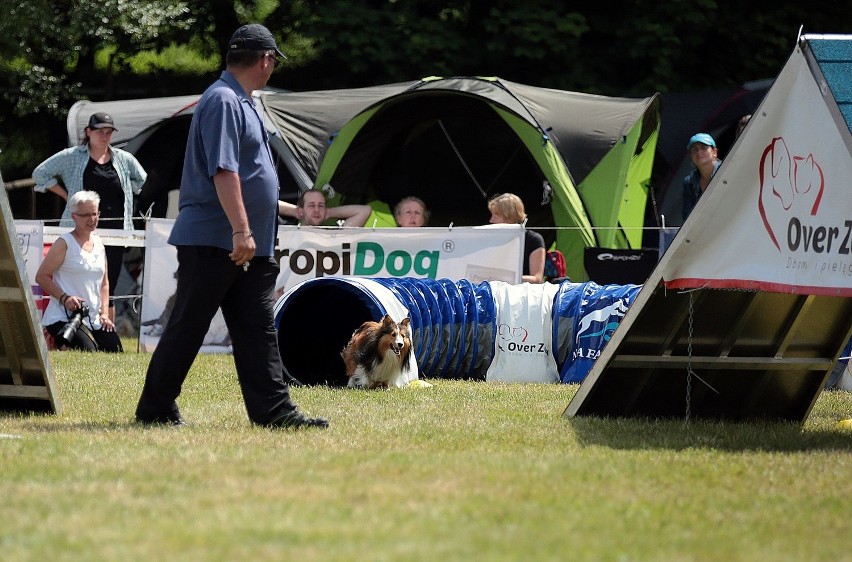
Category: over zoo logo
[514,339]
[792,189]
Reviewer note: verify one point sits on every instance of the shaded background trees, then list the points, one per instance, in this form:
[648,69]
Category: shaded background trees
[53,53]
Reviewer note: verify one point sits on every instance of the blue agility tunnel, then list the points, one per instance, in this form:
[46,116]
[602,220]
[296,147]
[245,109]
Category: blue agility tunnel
[459,330]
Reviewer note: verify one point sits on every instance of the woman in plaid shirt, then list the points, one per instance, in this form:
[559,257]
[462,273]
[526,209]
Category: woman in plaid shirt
[94,165]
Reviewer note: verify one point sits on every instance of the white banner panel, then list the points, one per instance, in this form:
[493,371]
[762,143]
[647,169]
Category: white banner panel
[480,253]
[158,292]
[31,245]
[778,214]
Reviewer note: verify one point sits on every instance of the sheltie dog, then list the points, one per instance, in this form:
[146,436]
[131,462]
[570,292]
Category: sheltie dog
[378,354]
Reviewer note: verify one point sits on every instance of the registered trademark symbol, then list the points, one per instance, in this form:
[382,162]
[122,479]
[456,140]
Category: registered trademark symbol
[449,245]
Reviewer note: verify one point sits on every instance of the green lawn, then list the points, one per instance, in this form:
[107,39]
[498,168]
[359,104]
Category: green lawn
[458,471]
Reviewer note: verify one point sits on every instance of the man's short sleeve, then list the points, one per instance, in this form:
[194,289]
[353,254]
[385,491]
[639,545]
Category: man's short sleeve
[221,130]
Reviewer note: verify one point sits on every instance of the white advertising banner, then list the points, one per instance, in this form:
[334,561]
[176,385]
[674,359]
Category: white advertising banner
[30,243]
[158,292]
[482,253]
[777,216]
[30,240]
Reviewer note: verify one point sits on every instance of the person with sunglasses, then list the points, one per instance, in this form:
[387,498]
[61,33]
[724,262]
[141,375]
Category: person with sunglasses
[225,236]
[114,174]
[74,275]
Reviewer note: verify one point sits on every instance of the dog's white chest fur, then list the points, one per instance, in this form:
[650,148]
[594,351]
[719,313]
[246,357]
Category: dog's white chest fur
[388,371]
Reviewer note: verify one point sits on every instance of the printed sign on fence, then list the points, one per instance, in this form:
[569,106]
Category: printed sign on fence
[30,242]
[482,253]
[29,234]
[158,292]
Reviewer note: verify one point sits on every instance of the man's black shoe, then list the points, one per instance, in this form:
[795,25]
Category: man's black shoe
[172,418]
[294,419]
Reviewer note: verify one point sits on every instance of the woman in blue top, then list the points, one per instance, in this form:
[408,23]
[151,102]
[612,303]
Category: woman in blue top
[114,174]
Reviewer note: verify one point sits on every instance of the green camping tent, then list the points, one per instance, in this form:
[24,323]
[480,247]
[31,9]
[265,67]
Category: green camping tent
[579,162]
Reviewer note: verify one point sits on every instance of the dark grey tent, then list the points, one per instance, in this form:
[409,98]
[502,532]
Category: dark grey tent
[578,161]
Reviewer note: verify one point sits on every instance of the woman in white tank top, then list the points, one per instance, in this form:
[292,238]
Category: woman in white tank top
[74,274]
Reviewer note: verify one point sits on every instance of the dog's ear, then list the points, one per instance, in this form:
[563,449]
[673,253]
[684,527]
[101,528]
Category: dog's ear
[387,320]
[405,322]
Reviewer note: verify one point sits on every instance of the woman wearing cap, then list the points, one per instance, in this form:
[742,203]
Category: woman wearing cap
[705,158]
[114,174]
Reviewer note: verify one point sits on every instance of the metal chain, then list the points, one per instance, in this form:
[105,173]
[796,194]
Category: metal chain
[689,372]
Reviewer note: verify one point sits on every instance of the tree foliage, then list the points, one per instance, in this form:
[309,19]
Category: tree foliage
[48,50]
[53,44]
[623,48]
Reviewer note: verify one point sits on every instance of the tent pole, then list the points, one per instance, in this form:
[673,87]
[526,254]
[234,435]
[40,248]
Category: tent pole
[463,163]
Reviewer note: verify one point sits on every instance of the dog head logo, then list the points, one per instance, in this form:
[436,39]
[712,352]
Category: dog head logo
[509,334]
[789,186]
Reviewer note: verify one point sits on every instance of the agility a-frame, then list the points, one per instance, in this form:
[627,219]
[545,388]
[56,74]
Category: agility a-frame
[749,309]
[26,376]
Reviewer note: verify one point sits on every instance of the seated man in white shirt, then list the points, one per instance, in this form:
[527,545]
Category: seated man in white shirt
[311,210]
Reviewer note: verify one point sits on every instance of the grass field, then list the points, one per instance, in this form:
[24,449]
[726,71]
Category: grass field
[458,471]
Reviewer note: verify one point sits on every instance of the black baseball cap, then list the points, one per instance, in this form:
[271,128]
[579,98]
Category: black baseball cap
[100,120]
[255,37]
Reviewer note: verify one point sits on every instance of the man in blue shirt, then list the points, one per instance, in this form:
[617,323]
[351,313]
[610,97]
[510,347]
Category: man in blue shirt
[225,236]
